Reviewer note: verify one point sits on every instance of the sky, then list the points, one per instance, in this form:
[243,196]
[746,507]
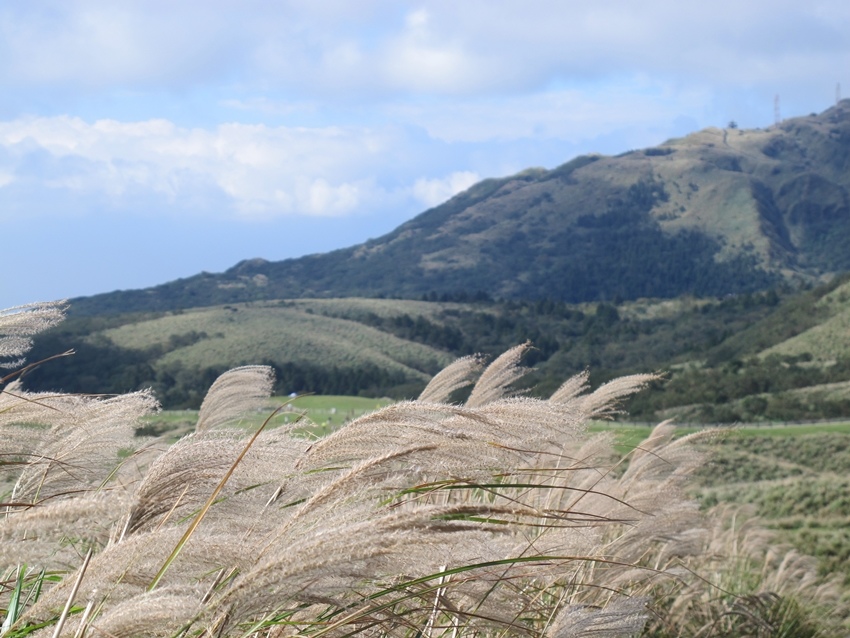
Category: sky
[146,140]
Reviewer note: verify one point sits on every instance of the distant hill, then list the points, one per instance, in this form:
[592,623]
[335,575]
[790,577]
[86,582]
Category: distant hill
[768,355]
[721,211]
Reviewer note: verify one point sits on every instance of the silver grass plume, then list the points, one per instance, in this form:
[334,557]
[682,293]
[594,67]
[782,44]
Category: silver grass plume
[17,324]
[179,481]
[498,376]
[571,388]
[455,376]
[151,614]
[233,394]
[39,535]
[605,401]
[83,444]
[620,618]
[500,517]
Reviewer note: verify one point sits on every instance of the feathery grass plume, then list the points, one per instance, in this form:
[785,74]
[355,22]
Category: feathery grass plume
[497,377]
[404,423]
[84,445]
[465,442]
[152,614]
[571,388]
[13,347]
[233,394]
[181,479]
[19,430]
[622,617]
[17,324]
[122,571]
[605,401]
[453,377]
[341,565]
[54,534]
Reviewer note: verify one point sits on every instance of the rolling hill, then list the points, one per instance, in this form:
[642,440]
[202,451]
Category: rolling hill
[720,211]
[775,355]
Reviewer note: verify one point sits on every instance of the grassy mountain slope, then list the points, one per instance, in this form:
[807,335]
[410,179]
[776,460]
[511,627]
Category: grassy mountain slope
[717,212]
[239,335]
[830,338]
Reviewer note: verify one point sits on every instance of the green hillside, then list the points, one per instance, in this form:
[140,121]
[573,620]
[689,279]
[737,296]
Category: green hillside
[234,335]
[704,257]
[776,355]
[312,346]
[827,341]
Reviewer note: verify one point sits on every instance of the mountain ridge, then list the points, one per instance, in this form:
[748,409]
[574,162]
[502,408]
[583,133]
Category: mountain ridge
[719,211]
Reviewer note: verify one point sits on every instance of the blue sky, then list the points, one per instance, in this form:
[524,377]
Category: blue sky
[142,141]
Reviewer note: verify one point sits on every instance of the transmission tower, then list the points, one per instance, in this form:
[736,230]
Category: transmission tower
[837,93]
[776,116]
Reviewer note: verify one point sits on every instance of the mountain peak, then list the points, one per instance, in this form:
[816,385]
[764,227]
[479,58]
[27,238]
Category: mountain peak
[719,211]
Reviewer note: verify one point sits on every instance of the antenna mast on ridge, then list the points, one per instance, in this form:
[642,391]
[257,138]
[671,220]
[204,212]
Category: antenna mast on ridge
[777,118]
[837,92]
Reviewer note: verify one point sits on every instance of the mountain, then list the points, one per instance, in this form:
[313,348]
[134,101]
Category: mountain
[717,212]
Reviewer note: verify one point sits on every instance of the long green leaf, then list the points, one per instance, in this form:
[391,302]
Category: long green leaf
[14,600]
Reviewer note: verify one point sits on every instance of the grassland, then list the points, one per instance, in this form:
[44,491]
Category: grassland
[828,340]
[234,335]
[797,479]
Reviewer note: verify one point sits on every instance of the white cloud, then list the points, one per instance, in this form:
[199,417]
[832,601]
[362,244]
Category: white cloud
[373,48]
[434,191]
[366,79]
[91,44]
[260,170]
